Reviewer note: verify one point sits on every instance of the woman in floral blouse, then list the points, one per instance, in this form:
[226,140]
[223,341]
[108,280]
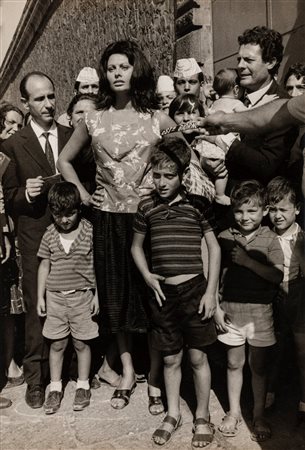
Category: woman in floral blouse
[122,132]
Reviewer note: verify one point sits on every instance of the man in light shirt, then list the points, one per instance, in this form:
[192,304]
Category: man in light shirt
[32,170]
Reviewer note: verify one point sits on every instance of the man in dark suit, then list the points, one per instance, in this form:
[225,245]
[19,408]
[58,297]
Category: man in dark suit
[33,152]
[261,157]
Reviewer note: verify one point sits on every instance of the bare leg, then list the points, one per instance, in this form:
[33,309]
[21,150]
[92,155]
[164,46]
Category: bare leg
[56,357]
[106,371]
[258,360]
[172,379]
[235,364]
[83,352]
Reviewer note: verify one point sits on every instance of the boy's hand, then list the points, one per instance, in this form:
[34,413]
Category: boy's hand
[94,307]
[153,281]
[240,256]
[41,307]
[221,319]
[208,302]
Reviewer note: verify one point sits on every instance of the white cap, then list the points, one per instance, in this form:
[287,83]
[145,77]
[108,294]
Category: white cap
[186,67]
[87,75]
[165,84]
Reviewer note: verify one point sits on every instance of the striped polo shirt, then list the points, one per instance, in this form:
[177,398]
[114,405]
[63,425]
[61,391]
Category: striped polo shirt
[175,231]
[72,270]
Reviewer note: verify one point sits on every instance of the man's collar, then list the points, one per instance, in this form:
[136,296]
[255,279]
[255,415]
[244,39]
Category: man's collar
[255,96]
[38,130]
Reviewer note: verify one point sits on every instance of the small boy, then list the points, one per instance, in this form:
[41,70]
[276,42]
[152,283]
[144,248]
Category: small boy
[290,305]
[252,272]
[183,303]
[226,85]
[66,285]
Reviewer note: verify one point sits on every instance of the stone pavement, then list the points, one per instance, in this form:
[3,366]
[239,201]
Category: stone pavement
[100,427]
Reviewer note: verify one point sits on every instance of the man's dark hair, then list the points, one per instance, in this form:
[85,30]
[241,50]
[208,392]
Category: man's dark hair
[23,82]
[270,42]
[63,198]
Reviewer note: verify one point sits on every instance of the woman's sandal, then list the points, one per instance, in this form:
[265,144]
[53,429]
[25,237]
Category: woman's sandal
[122,394]
[202,438]
[261,430]
[165,434]
[231,424]
[155,405]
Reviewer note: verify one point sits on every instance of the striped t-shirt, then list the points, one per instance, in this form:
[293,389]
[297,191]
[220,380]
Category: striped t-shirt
[175,231]
[72,270]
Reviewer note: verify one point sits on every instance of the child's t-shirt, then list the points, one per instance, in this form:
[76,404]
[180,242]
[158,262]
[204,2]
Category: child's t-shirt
[73,269]
[240,284]
[175,230]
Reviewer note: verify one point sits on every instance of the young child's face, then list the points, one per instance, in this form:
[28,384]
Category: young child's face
[164,99]
[66,222]
[283,214]
[185,117]
[249,216]
[167,181]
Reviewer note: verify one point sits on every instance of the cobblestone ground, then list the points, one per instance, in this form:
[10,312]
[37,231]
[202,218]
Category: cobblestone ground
[99,427]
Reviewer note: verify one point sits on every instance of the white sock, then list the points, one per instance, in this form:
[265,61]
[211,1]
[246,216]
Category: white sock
[82,384]
[302,406]
[56,386]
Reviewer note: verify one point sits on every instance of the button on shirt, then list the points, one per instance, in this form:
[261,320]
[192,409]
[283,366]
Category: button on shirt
[53,138]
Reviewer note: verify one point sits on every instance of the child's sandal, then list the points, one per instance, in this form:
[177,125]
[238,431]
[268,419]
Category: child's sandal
[225,428]
[165,434]
[203,439]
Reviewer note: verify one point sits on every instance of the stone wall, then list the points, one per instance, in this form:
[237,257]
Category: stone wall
[78,31]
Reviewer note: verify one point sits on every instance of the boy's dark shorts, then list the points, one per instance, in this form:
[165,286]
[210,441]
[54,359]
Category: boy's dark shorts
[177,322]
[289,307]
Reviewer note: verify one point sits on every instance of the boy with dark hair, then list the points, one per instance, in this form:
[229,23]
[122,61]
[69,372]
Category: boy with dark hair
[183,303]
[290,305]
[65,293]
[252,271]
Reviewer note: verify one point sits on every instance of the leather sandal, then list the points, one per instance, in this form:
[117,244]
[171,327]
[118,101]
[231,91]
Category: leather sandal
[230,431]
[153,403]
[165,434]
[123,394]
[203,438]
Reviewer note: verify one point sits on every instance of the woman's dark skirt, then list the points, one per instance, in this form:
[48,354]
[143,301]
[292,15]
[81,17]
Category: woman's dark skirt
[123,294]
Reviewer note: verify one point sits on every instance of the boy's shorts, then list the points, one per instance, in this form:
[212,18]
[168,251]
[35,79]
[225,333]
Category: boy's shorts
[250,322]
[289,307]
[177,322]
[69,314]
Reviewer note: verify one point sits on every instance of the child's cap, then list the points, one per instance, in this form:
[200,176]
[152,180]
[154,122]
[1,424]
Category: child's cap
[164,84]
[87,75]
[186,67]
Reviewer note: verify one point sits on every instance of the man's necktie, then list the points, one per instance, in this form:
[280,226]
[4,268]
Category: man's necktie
[247,101]
[49,152]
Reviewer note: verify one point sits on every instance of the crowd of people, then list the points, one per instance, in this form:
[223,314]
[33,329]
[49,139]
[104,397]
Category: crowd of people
[170,210]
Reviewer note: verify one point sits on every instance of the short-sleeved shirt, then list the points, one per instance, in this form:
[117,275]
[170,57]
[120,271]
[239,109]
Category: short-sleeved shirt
[175,231]
[72,270]
[241,284]
[296,107]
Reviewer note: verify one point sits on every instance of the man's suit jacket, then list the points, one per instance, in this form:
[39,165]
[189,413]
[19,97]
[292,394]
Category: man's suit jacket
[28,160]
[261,157]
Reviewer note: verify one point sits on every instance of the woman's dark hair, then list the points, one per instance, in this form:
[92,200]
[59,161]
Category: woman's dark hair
[79,97]
[4,109]
[185,103]
[142,83]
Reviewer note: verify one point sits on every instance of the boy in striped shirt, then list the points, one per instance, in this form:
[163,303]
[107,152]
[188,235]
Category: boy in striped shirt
[183,302]
[66,292]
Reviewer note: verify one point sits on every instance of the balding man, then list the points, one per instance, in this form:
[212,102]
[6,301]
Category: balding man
[33,152]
